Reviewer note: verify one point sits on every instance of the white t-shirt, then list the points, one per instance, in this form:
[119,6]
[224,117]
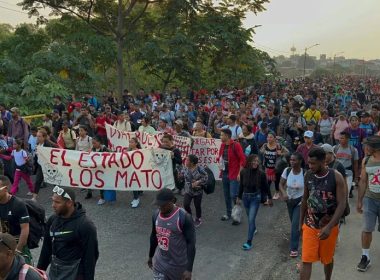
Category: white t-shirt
[20,157]
[236,131]
[295,184]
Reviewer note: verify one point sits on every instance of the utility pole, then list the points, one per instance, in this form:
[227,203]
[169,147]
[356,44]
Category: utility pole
[304,59]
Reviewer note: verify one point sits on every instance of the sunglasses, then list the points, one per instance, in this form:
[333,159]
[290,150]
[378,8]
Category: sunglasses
[5,244]
[61,192]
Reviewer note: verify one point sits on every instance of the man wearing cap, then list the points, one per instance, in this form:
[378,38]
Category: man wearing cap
[317,137]
[366,124]
[304,148]
[369,198]
[70,244]
[172,240]
[12,265]
[17,127]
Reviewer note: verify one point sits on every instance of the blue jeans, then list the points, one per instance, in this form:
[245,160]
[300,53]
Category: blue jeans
[230,190]
[251,203]
[294,206]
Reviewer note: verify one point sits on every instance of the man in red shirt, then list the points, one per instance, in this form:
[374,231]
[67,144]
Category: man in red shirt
[232,160]
[304,148]
[100,124]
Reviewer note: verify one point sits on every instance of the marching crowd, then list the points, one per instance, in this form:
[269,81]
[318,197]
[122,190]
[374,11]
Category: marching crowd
[311,143]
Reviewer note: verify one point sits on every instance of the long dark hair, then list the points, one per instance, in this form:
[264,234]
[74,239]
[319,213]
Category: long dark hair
[138,145]
[257,172]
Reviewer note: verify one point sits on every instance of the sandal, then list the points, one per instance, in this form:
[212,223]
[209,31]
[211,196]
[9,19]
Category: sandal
[247,247]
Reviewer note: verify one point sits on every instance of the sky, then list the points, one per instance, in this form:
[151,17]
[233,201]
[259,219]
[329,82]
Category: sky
[346,27]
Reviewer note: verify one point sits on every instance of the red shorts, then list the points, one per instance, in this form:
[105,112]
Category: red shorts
[314,249]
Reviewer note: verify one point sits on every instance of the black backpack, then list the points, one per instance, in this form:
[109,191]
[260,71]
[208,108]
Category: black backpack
[37,223]
[209,187]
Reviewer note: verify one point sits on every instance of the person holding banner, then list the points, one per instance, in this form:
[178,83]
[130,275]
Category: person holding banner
[84,142]
[168,144]
[195,178]
[123,122]
[145,126]
[199,130]
[134,145]
[232,161]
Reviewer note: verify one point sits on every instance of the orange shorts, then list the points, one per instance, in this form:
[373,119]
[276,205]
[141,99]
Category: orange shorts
[314,249]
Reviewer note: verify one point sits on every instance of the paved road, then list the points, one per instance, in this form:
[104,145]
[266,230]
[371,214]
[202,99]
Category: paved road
[123,235]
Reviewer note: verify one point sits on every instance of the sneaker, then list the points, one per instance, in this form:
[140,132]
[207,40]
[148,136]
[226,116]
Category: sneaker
[29,194]
[101,201]
[225,218]
[88,196]
[135,203]
[293,254]
[276,196]
[235,223]
[255,232]
[197,222]
[364,264]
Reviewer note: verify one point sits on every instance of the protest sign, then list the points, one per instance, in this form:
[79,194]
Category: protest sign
[140,170]
[207,151]
[119,140]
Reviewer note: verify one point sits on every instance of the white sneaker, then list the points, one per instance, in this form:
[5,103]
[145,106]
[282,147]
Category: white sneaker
[135,203]
[101,201]
[29,194]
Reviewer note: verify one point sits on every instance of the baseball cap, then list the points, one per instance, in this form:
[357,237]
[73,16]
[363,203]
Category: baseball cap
[308,134]
[373,142]
[364,115]
[164,196]
[14,110]
[179,122]
[328,148]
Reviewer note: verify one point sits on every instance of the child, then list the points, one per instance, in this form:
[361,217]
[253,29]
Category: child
[33,140]
[21,159]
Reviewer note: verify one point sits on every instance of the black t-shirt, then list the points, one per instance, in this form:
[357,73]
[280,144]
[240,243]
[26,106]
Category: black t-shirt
[12,214]
[57,125]
[225,158]
[60,107]
[273,123]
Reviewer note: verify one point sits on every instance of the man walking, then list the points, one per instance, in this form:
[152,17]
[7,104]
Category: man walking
[18,128]
[232,160]
[306,147]
[323,204]
[369,197]
[14,218]
[70,243]
[172,241]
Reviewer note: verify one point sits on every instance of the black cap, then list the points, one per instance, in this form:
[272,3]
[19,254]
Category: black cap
[311,122]
[364,115]
[164,196]
[373,142]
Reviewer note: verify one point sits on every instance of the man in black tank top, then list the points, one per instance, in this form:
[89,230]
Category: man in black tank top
[323,204]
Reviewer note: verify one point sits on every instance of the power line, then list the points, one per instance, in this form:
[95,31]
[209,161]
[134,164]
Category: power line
[13,10]
[10,4]
[273,50]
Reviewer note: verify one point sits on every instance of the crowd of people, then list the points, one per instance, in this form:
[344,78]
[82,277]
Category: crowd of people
[313,142]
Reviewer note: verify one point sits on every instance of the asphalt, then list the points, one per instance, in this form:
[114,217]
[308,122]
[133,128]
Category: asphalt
[123,235]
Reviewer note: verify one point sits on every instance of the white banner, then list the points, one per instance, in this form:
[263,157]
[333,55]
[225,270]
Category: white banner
[119,140]
[141,170]
[206,149]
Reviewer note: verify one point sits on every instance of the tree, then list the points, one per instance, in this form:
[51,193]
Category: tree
[118,19]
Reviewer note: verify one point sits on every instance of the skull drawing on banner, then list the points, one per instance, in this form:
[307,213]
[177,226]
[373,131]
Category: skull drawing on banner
[51,174]
[160,160]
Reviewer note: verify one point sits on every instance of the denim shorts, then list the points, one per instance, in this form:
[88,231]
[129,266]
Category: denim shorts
[371,213]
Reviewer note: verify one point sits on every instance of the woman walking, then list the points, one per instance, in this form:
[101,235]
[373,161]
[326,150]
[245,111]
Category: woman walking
[253,185]
[134,145]
[195,178]
[292,187]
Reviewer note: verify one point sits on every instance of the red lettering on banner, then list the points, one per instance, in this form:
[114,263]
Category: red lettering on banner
[100,184]
[122,175]
[81,160]
[82,178]
[134,178]
[113,131]
[72,183]
[64,163]
[123,157]
[112,160]
[53,156]
[104,155]
[93,160]
[156,175]
[146,176]
[135,159]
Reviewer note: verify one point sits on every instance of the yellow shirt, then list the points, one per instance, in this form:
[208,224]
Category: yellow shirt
[310,115]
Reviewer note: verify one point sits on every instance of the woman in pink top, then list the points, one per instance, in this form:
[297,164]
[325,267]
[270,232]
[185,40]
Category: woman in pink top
[339,126]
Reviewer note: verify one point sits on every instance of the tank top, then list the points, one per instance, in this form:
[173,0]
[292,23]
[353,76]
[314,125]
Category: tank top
[172,248]
[322,203]
[373,171]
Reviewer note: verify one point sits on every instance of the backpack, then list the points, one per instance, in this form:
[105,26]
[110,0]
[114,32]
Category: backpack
[347,210]
[24,271]
[289,169]
[209,187]
[37,223]
[352,149]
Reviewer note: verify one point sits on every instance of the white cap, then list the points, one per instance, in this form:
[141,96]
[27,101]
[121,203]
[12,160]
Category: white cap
[308,134]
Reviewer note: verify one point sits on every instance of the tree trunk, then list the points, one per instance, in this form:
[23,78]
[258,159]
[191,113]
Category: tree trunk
[120,41]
